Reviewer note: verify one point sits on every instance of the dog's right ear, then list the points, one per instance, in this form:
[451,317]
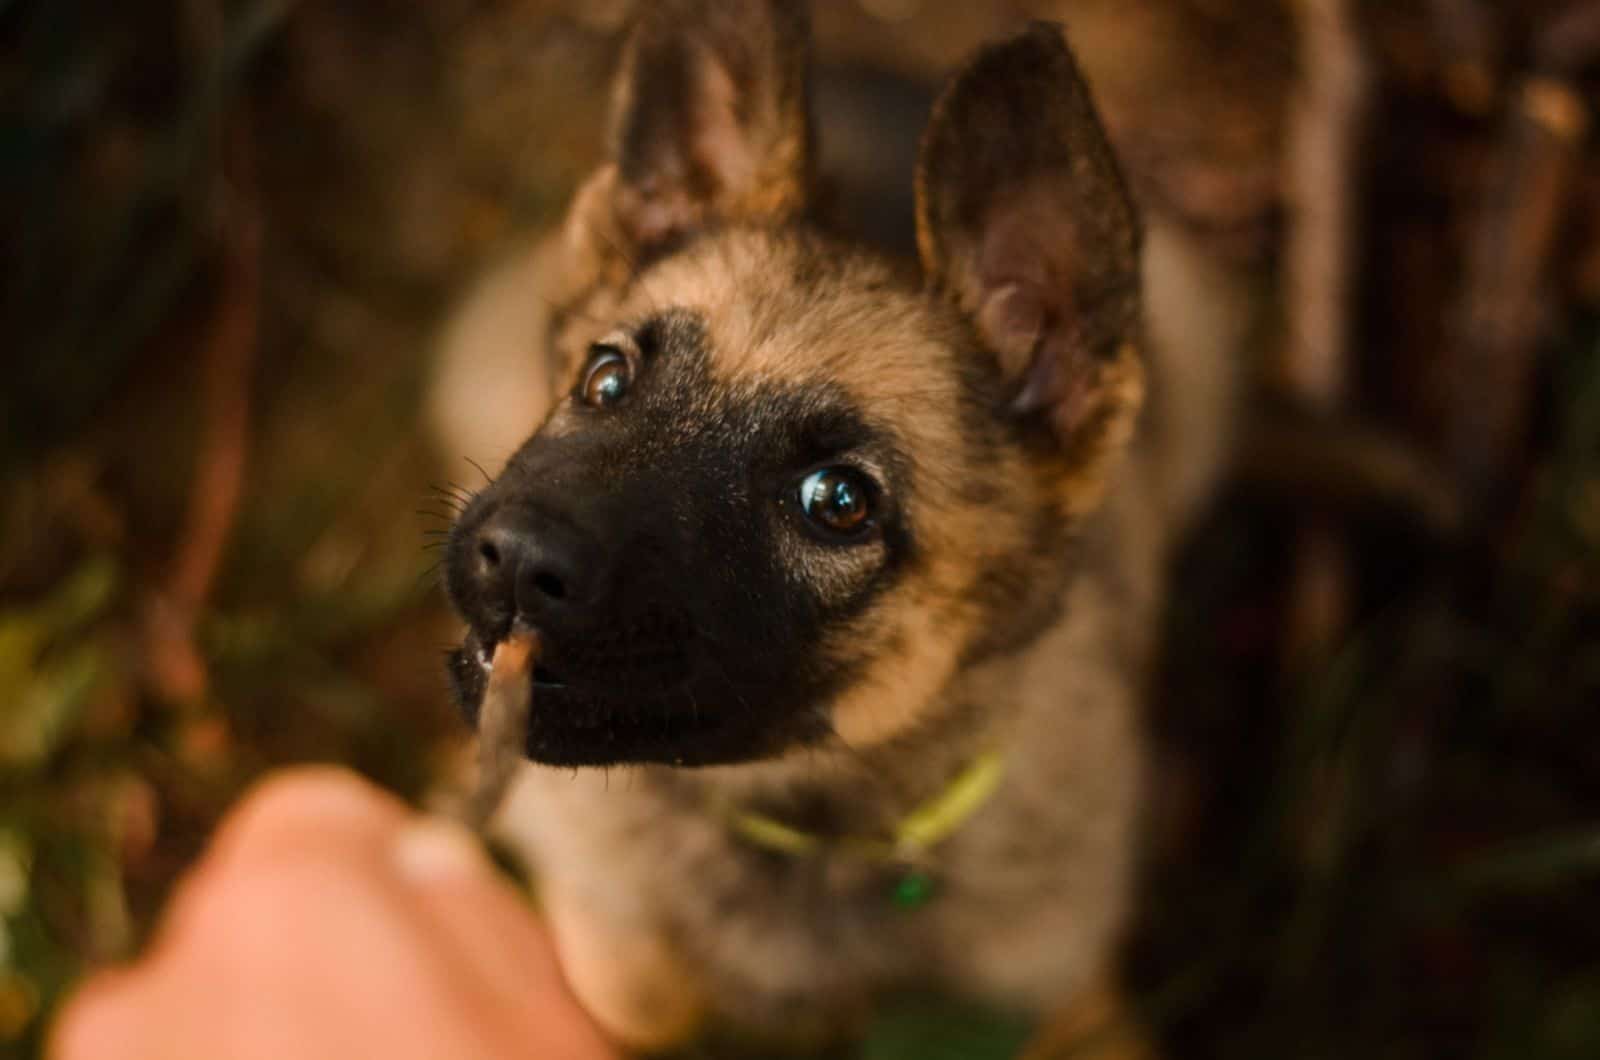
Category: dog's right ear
[1025,224]
[709,125]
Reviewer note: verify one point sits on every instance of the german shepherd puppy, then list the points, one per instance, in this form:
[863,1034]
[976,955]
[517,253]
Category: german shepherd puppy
[852,568]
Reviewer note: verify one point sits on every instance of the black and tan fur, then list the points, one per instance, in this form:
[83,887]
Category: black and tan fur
[725,654]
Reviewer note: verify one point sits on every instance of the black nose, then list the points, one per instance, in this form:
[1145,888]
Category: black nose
[538,569]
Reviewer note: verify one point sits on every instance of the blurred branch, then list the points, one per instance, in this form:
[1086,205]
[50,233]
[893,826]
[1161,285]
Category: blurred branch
[1533,864]
[1348,468]
[1466,34]
[1569,42]
[176,668]
[1498,320]
[1327,126]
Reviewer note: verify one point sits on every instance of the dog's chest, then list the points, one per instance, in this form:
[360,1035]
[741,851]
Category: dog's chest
[1017,907]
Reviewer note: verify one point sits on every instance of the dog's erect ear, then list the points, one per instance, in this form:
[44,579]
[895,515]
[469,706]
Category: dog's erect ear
[709,121]
[1024,220]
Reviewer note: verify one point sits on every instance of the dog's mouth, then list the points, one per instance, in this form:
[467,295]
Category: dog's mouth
[652,650]
[633,697]
[482,652]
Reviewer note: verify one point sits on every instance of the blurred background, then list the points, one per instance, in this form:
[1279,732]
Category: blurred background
[232,231]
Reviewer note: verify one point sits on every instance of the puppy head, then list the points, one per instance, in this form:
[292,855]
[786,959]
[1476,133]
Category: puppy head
[790,491]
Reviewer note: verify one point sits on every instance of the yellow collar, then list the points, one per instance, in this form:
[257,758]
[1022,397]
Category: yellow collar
[925,827]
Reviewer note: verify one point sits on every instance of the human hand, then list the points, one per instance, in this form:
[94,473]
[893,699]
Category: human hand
[328,921]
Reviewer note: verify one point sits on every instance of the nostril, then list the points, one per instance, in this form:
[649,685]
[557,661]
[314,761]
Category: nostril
[527,565]
[550,585]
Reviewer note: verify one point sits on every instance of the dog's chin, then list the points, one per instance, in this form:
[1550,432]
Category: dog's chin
[599,723]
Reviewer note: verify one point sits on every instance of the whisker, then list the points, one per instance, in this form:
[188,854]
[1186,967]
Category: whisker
[452,496]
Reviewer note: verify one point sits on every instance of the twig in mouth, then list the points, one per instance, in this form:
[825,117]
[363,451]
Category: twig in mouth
[503,722]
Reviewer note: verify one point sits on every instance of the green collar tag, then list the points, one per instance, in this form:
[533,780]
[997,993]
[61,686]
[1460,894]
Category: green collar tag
[912,890]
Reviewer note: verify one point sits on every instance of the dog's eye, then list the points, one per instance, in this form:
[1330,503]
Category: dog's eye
[838,500]
[607,376]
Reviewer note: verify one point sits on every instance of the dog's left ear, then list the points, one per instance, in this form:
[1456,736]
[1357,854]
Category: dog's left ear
[1024,221]
[709,119]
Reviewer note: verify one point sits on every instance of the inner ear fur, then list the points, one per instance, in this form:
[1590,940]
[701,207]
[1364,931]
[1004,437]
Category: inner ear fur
[709,124]
[1025,222]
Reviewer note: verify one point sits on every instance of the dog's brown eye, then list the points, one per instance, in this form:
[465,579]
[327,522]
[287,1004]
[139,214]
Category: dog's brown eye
[838,500]
[607,377]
